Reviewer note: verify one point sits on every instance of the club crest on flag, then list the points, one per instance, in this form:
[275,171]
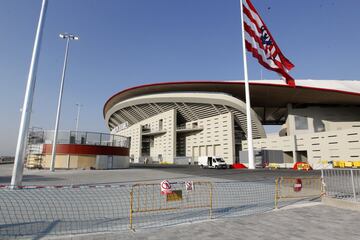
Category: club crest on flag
[265,38]
[259,42]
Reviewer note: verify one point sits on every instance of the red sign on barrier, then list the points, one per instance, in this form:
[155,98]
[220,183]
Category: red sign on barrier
[298,185]
[165,187]
[189,186]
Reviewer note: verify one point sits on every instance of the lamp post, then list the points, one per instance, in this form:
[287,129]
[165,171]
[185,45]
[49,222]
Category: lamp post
[17,174]
[68,37]
[78,105]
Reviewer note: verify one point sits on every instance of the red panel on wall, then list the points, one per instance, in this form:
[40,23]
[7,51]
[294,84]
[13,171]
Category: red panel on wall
[77,149]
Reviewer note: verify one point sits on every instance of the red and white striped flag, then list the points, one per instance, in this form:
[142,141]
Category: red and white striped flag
[261,44]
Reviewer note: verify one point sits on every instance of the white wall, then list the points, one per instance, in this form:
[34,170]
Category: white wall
[216,138]
[343,145]
[334,118]
[164,144]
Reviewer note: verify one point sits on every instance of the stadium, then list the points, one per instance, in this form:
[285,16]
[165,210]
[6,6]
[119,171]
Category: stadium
[176,122]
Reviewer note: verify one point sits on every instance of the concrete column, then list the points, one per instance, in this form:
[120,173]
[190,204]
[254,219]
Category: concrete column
[68,162]
[174,136]
[290,120]
[294,149]
[231,125]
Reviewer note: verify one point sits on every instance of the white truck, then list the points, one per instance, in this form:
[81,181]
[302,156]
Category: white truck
[211,162]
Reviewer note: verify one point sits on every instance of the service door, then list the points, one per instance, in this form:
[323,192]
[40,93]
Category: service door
[217,151]
[195,153]
[209,150]
[202,151]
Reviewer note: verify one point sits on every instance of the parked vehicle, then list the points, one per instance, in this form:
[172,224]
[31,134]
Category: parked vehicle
[211,162]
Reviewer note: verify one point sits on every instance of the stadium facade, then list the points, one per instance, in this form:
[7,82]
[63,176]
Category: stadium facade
[172,121]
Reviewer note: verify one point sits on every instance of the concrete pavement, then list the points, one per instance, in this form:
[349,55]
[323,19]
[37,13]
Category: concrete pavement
[146,174]
[318,222]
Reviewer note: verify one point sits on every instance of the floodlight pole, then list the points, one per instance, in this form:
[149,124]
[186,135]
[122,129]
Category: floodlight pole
[78,116]
[18,169]
[68,37]
[247,96]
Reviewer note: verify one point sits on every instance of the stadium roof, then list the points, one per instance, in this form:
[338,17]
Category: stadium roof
[264,93]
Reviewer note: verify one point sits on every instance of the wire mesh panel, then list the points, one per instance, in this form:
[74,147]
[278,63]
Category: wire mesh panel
[59,211]
[33,212]
[234,199]
[297,188]
[150,207]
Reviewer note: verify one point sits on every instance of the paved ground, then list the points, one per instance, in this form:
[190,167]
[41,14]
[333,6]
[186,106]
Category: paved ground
[66,177]
[317,222]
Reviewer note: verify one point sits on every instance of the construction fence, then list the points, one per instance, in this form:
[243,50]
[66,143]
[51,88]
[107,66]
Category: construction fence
[290,188]
[67,210]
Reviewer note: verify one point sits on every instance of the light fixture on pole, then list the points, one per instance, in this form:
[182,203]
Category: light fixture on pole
[68,37]
[17,174]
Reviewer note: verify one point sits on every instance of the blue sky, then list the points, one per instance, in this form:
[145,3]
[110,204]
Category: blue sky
[124,43]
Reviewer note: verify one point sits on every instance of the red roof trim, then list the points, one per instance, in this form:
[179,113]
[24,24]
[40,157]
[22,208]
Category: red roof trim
[223,82]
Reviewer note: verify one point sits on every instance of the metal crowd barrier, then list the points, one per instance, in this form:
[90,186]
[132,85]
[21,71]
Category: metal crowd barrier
[147,199]
[38,211]
[342,183]
[297,188]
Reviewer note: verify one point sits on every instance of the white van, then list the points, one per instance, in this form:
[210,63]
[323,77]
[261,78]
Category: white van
[211,162]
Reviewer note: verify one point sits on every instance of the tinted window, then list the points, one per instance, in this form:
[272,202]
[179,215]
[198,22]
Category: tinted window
[301,123]
[319,126]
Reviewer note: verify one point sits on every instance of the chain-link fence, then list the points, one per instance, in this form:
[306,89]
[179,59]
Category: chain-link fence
[37,212]
[342,183]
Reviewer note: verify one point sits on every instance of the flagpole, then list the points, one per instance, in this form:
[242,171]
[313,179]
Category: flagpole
[17,173]
[247,96]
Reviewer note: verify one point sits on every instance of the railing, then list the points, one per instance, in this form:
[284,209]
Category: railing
[6,159]
[342,183]
[77,137]
[152,131]
[146,130]
[184,127]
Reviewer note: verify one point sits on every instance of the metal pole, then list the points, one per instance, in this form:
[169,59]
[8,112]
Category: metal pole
[52,166]
[247,96]
[17,174]
[276,192]
[353,184]
[78,116]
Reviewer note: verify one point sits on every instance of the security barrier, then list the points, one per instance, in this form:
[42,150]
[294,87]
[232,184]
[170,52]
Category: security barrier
[297,188]
[33,212]
[148,200]
[342,183]
[273,166]
[346,164]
